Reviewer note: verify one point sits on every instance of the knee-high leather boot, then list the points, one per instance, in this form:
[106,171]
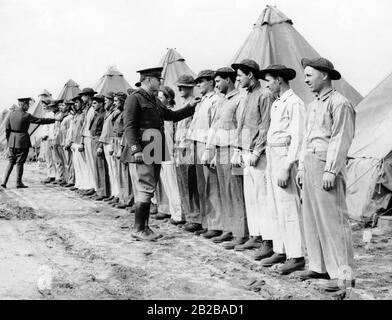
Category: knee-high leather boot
[141,215]
[7,174]
[19,175]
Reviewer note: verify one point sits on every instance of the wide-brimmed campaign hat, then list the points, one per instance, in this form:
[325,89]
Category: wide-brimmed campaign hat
[185,80]
[77,98]
[87,92]
[278,70]
[205,74]
[322,64]
[248,64]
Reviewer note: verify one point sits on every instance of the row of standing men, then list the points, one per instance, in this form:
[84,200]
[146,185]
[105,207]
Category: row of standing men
[250,168]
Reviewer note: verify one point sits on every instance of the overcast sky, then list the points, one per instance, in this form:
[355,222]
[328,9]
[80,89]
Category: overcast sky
[43,43]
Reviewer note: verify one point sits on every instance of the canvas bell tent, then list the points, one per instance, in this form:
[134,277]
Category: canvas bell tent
[274,40]
[70,90]
[369,181]
[113,80]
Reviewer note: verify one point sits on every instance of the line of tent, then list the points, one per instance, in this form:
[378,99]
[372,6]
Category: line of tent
[273,40]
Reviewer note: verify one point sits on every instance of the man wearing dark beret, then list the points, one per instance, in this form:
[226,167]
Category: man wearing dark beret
[143,122]
[18,139]
[322,170]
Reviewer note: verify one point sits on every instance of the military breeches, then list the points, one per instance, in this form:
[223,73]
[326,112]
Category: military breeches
[17,155]
[144,178]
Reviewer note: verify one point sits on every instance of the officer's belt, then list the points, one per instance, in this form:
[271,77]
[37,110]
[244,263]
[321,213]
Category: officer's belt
[18,131]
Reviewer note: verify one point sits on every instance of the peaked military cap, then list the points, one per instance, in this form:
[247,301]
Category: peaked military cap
[24,99]
[151,72]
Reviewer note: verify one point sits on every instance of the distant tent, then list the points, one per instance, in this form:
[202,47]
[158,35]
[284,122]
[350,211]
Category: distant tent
[174,66]
[112,80]
[69,91]
[274,40]
[370,169]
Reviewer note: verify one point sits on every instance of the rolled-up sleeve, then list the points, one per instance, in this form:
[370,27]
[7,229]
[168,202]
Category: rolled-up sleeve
[342,133]
[131,124]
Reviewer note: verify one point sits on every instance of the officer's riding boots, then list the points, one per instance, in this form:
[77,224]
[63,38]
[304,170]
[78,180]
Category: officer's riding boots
[141,215]
[19,174]
[7,174]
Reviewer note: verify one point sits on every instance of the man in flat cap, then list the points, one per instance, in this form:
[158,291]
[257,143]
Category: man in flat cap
[210,221]
[322,169]
[221,142]
[18,139]
[184,159]
[250,153]
[86,146]
[144,115]
[283,145]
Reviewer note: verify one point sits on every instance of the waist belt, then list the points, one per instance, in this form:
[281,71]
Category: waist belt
[18,131]
[278,144]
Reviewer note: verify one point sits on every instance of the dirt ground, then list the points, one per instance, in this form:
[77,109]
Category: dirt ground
[56,245]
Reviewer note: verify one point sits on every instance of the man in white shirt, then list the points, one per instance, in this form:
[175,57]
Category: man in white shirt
[284,138]
[207,180]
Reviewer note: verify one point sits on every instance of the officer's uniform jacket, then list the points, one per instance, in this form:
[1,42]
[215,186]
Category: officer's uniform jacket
[143,111]
[17,126]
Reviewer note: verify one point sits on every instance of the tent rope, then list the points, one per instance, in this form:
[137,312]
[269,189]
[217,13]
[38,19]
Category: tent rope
[355,181]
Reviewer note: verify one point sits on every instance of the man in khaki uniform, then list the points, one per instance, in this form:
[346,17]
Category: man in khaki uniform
[322,171]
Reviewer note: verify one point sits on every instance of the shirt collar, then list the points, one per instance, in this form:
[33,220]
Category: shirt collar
[287,94]
[208,95]
[326,95]
[232,93]
[254,86]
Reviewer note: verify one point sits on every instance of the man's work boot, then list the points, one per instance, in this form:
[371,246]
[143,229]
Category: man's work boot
[292,265]
[7,174]
[19,175]
[274,259]
[235,242]
[69,185]
[48,180]
[226,236]
[338,285]
[108,199]
[161,216]
[265,251]
[177,222]
[89,192]
[200,231]
[253,243]
[192,226]
[73,188]
[212,234]
[132,209]
[309,274]
[115,200]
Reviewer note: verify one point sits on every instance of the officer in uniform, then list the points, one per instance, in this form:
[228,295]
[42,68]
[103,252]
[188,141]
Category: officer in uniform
[18,139]
[144,117]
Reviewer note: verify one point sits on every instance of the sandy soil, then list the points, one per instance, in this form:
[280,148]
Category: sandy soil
[56,245]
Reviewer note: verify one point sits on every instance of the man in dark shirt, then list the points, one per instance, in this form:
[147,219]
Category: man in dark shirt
[144,117]
[18,139]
